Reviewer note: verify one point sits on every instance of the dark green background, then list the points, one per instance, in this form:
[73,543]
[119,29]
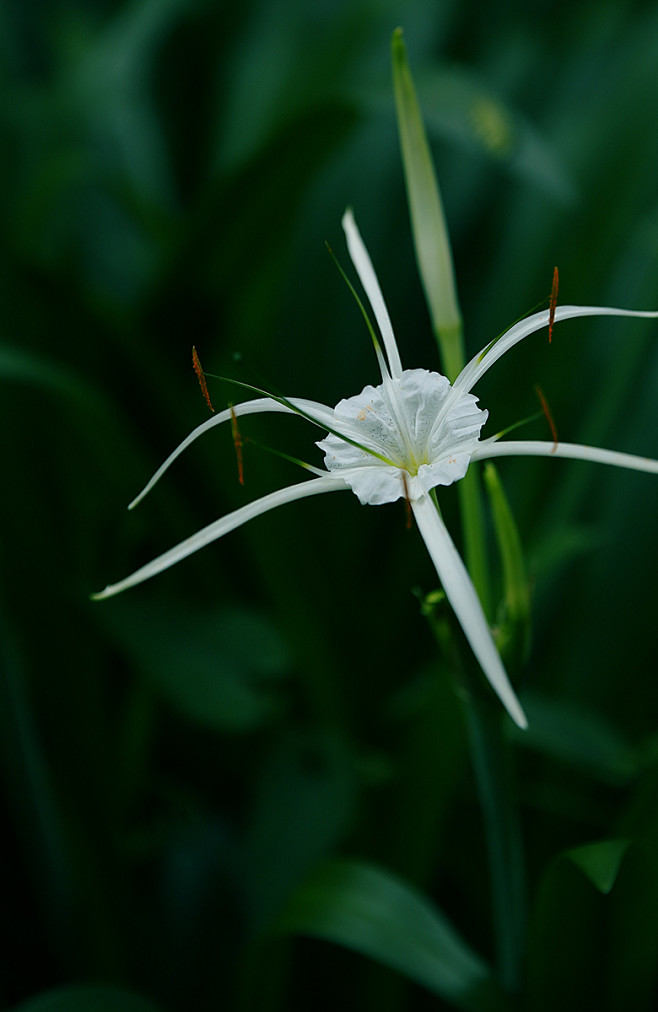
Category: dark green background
[176,761]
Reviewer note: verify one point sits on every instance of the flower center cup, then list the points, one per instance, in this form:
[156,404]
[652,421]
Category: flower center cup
[416,432]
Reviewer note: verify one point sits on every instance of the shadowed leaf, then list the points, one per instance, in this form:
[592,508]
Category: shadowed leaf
[372,912]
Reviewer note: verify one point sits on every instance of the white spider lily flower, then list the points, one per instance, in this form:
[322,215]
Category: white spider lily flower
[412,433]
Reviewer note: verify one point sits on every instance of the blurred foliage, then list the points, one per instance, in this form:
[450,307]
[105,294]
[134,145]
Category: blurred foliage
[177,762]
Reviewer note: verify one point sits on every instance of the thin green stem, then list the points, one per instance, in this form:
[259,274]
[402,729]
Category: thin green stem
[491,760]
[492,764]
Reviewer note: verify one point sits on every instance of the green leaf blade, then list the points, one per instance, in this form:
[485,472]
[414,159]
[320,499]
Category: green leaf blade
[370,911]
[515,627]
[430,232]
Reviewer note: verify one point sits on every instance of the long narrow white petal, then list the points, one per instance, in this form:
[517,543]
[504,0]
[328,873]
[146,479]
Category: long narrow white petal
[220,527]
[465,603]
[317,410]
[366,272]
[576,451]
[483,361]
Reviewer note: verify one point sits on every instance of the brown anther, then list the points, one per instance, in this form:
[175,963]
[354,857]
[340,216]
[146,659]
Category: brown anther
[196,362]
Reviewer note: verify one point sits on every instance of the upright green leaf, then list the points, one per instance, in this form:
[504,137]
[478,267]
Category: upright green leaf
[515,625]
[434,257]
[430,231]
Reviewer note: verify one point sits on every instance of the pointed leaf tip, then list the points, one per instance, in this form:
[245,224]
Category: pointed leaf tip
[429,229]
[600,862]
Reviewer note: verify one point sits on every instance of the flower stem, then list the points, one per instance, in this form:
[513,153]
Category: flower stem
[428,223]
[492,764]
[491,759]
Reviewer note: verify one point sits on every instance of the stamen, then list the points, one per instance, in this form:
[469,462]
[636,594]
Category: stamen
[547,413]
[553,304]
[237,442]
[196,362]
